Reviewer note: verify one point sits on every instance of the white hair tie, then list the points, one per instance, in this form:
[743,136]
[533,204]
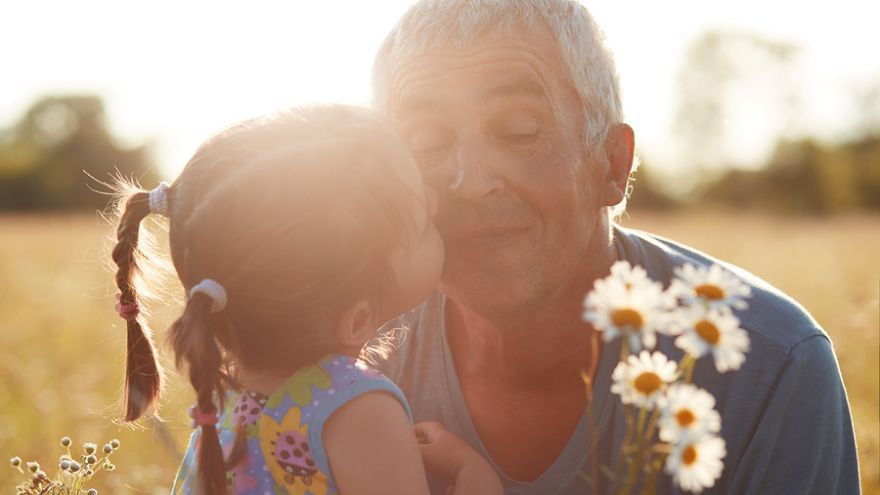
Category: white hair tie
[159,200]
[212,289]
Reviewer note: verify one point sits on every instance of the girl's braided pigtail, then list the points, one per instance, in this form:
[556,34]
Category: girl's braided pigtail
[195,345]
[142,373]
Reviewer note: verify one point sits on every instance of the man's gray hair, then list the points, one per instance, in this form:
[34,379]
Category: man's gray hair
[460,24]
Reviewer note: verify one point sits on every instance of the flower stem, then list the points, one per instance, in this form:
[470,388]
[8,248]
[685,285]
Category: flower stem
[687,367]
[624,457]
[635,462]
[643,414]
[591,427]
[656,465]
[642,450]
[594,462]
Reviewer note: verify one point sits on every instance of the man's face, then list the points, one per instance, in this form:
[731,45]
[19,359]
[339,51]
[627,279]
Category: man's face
[497,130]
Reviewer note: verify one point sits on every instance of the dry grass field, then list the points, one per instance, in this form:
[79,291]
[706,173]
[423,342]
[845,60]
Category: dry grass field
[61,342]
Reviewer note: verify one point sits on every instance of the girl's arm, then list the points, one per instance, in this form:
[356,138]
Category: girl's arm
[371,448]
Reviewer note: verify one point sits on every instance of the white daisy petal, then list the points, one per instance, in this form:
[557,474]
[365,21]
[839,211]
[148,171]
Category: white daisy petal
[713,331]
[627,303]
[713,287]
[641,379]
[696,464]
[688,412]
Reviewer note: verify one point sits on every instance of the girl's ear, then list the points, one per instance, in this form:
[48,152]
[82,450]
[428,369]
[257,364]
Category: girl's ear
[357,325]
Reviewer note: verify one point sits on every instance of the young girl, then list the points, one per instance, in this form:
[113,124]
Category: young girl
[295,236]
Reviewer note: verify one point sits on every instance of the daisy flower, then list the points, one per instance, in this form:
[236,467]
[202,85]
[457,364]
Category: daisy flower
[630,275]
[696,464]
[627,303]
[687,412]
[712,286]
[715,331]
[640,380]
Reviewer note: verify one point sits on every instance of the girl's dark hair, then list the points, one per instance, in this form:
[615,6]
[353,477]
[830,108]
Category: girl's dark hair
[142,373]
[295,214]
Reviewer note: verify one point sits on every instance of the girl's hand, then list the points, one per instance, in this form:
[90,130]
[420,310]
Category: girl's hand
[451,458]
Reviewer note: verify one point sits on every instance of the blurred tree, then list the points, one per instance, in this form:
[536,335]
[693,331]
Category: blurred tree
[45,157]
[647,191]
[729,77]
[806,177]
[866,99]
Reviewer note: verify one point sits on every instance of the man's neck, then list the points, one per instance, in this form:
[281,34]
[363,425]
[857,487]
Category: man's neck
[521,381]
[529,347]
[522,355]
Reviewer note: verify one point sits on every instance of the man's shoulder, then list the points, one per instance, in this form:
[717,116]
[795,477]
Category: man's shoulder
[772,315]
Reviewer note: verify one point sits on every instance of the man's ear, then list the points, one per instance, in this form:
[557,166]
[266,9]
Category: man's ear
[619,146]
[357,325]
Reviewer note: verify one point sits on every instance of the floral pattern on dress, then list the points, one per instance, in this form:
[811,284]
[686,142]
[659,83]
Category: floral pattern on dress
[284,454]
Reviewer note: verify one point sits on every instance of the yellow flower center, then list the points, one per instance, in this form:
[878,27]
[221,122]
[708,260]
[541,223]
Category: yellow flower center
[710,291]
[627,317]
[708,331]
[685,418]
[647,383]
[689,456]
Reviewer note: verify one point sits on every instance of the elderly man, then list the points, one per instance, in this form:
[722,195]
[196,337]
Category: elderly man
[512,109]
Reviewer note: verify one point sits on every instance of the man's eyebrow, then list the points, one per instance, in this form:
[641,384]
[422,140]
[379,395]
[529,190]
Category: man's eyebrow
[418,104]
[524,86]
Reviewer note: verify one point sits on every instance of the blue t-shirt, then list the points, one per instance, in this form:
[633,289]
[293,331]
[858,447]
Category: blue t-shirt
[785,417]
[285,451]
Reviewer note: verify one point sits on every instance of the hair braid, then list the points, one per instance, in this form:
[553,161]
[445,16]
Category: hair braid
[142,373]
[194,343]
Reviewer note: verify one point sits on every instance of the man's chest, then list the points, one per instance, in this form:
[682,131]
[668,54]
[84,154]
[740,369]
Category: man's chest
[524,433]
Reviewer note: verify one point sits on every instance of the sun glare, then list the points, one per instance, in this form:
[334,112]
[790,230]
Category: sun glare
[173,72]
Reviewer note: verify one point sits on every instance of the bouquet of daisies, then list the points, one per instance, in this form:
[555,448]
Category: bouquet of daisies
[671,424]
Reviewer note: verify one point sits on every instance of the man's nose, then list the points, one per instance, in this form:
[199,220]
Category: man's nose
[475,170]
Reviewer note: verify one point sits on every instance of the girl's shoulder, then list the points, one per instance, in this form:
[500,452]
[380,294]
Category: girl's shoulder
[284,431]
[313,393]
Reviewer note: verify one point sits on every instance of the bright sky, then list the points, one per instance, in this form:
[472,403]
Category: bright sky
[172,72]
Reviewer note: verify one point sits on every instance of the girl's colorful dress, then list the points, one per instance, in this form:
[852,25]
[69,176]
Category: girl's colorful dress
[285,452]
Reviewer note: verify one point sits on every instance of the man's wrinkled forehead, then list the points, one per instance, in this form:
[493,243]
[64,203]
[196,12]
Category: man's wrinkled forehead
[518,66]
[414,100]
[409,46]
